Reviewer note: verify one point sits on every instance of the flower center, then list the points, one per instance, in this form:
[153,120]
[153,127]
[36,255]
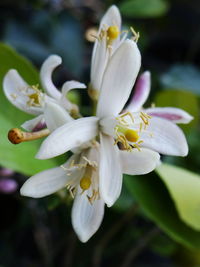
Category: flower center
[35,98]
[85,181]
[112,32]
[127,137]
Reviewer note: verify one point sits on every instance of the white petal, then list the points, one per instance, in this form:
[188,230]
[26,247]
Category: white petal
[86,217]
[67,86]
[165,137]
[139,162]
[110,172]
[111,17]
[45,183]
[141,93]
[68,136]
[55,116]
[14,88]
[175,115]
[47,68]
[37,122]
[118,79]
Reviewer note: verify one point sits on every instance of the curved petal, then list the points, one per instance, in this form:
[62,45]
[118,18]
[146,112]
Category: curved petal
[45,183]
[55,116]
[68,136]
[139,162]
[86,217]
[141,93]
[118,79]
[67,86]
[15,90]
[175,115]
[47,68]
[110,172]
[165,137]
[31,124]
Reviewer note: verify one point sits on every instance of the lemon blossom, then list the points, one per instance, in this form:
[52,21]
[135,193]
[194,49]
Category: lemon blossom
[108,39]
[117,83]
[30,99]
[80,176]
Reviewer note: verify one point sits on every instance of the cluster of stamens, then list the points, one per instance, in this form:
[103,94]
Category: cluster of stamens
[127,138]
[86,181]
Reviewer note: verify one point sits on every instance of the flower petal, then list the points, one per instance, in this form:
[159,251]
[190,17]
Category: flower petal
[164,137]
[14,87]
[111,17]
[47,68]
[45,183]
[67,86]
[141,93]
[50,181]
[31,124]
[68,136]
[175,115]
[118,79]
[139,162]
[110,172]
[86,217]
[55,116]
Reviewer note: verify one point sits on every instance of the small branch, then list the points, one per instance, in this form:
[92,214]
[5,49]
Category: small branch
[111,233]
[142,244]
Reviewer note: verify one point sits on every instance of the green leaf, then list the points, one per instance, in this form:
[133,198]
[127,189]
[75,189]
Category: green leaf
[18,157]
[184,188]
[180,99]
[155,200]
[143,8]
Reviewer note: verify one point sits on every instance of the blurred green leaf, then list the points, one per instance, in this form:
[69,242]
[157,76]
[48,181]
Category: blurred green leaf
[18,157]
[143,8]
[155,200]
[182,77]
[184,188]
[180,99]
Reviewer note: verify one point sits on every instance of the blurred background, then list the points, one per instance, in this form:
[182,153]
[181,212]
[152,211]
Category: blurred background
[36,233]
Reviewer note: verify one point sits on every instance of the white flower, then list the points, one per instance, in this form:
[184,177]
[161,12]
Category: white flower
[30,99]
[80,176]
[109,38]
[117,83]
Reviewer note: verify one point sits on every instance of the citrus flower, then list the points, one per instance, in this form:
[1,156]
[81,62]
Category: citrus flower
[109,38]
[117,154]
[30,99]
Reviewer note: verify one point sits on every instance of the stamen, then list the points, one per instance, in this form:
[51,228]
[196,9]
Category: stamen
[136,35]
[17,136]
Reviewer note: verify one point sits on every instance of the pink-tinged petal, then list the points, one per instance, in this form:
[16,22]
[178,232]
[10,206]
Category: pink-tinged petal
[67,86]
[175,115]
[47,68]
[118,79]
[32,125]
[164,137]
[139,162]
[141,93]
[55,116]
[15,89]
[86,217]
[110,171]
[68,136]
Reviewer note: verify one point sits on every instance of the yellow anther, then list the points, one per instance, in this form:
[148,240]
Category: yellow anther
[35,98]
[131,135]
[113,32]
[85,183]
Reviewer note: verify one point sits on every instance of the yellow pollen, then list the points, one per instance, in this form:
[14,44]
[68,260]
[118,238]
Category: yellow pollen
[131,135]
[113,32]
[35,97]
[85,183]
